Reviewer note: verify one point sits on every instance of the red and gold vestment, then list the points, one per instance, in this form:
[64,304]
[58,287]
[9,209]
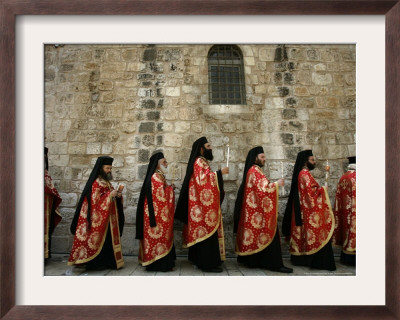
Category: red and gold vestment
[258,219]
[344,234]
[51,202]
[158,241]
[88,242]
[204,217]
[317,217]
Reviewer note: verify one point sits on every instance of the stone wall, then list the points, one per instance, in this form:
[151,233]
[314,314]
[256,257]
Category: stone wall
[127,101]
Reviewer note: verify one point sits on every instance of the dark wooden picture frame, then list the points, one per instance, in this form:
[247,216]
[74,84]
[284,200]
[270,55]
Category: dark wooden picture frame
[10,9]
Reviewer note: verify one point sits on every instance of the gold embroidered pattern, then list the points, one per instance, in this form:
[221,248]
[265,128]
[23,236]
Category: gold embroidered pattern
[164,213]
[156,232]
[267,205]
[200,232]
[263,239]
[251,180]
[80,253]
[94,240]
[196,213]
[248,237]
[206,197]
[262,185]
[161,195]
[251,200]
[97,219]
[159,249]
[315,220]
[192,193]
[81,232]
[201,179]
[310,237]
[257,220]
[212,218]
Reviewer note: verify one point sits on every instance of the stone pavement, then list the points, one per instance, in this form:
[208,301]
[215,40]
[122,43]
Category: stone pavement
[57,266]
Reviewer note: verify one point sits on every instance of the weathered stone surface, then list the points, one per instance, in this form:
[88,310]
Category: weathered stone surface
[321,79]
[173,140]
[69,199]
[267,54]
[289,114]
[182,127]
[147,127]
[76,148]
[127,101]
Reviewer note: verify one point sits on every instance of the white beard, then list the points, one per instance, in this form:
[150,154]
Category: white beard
[164,169]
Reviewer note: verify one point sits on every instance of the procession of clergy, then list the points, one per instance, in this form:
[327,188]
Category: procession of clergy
[309,224]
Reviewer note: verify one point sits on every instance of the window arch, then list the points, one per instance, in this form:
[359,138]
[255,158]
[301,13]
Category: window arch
[226,75]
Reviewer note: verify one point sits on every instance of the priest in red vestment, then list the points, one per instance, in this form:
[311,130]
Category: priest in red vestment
[199,208]
[52,200]
[308,221]
[344,234]
[256,217]
[98,221]
[155,218]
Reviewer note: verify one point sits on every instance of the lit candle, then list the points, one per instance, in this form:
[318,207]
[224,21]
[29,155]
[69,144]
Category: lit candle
[227,158]
[326,173]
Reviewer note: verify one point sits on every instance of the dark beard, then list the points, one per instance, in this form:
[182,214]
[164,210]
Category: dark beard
[310,166]
[208,154]
[259,163]
[105,176]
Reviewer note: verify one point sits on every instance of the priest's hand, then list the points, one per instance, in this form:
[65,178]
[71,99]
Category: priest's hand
[281,182]
[225,170]
[327,168]
[114,193]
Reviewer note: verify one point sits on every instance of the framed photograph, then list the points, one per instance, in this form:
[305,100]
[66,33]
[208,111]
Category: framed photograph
[12,281]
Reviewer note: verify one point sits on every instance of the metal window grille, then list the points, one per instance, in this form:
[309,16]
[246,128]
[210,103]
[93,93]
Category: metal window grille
[226,75]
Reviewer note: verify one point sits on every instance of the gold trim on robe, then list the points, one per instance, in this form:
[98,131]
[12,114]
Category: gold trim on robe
[259,215]
[88,243]
[344,235]
[318,221]
[204,216]
[158,241]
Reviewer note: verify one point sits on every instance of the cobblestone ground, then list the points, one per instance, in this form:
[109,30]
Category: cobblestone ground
[57,266]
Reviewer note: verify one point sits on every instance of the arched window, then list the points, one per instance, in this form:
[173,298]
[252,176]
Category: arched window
[226,75]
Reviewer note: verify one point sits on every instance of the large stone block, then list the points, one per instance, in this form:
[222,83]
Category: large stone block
[129,54]
[57,148]
[289,114]
[267,54]
[69,199]
[190,113]
[274,103]
[182,127]
[113,67]
[58,160]
[136,66]
[147,127]
[321,79]
[173,140]
[120,174]
[106,148]
[76,148]
[173,92]
[72,173]
[197,127]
